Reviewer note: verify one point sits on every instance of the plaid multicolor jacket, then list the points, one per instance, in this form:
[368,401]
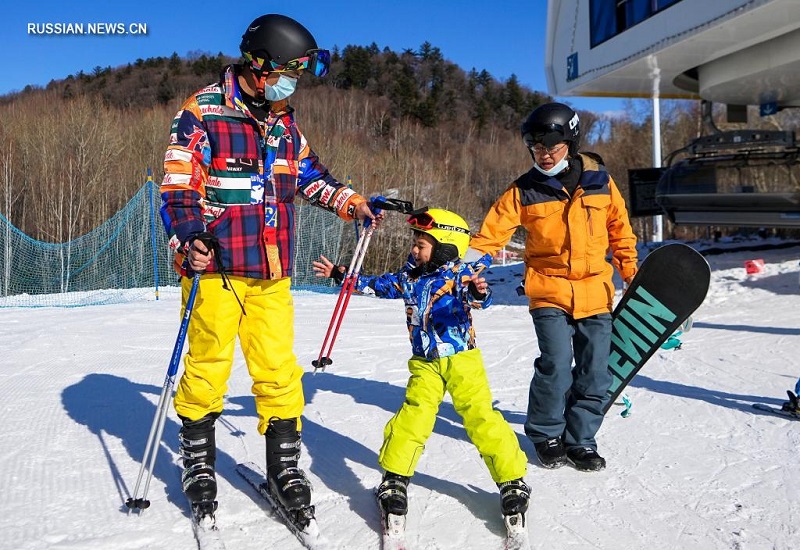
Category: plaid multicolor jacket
[237,177]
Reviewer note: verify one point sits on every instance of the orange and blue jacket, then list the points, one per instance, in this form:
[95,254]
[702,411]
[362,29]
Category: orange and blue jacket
[568,238]
[237,177]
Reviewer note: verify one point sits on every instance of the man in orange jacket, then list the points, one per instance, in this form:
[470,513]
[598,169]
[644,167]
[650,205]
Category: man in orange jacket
[573,214]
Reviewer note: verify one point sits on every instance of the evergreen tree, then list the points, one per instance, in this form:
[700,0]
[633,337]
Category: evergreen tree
[357,67]
[514,97]
[404,96]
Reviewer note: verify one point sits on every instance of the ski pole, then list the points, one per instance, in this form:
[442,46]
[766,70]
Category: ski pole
[353,279]
[355,222]
[346,291]
[376,204]
[157,428]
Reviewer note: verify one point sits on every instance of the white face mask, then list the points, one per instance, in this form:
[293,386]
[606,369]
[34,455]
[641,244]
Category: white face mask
[282,89]
[559,167]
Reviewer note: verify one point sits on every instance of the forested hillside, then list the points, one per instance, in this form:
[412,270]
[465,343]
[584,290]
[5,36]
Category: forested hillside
[410,121]
[74,152]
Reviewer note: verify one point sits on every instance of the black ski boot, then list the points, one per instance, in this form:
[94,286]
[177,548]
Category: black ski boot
[551,453]
[586,459]
[393,495]
[198,449]
[514,496]
[793,405]
[286,481]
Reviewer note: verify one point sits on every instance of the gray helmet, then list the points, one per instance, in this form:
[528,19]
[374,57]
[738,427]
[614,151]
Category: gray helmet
[550,124]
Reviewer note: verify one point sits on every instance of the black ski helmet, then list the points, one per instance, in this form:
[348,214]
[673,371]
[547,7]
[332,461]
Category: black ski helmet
[550,124]
[276,38]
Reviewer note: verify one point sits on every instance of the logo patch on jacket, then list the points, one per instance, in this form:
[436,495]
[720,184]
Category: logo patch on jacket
[243,165]
[197,139]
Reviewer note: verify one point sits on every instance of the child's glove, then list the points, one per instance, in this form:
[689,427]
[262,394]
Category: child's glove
[473,290]
[337,273]
[326,268]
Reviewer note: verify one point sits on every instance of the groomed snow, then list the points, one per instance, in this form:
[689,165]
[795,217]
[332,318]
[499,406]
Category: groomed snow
[694,466]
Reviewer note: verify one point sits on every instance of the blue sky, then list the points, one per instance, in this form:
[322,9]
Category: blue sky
[504,37]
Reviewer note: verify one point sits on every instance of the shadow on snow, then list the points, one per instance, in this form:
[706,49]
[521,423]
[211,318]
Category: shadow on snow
[113,406]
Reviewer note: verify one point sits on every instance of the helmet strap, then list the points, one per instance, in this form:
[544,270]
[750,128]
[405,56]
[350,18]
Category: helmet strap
[261,82]
[442,253]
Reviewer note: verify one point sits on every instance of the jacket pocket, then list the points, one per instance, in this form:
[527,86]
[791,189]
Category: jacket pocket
[595,208]
[239,232]
[547,229]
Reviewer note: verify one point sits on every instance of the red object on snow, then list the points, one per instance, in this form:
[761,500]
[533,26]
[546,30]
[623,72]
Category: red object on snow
[754,267]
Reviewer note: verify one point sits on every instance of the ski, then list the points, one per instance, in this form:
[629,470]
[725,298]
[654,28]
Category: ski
[204,527]
[393,531]
[517,533]
[301,522]
[776,410]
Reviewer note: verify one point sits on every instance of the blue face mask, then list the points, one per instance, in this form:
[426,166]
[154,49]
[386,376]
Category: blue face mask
[283,88]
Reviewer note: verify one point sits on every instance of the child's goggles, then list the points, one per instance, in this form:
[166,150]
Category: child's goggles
[317,62]
[425,222]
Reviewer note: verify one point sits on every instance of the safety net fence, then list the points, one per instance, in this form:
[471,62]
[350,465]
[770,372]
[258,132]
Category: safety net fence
[127,259]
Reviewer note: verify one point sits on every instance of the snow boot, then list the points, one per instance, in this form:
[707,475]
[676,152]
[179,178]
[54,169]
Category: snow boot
[287,482]
[793,405]
[551,453]
[199,451]
[393,495]
[586,459]
[514,496]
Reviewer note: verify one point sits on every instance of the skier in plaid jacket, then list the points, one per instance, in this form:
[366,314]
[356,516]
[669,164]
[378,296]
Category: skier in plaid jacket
[235,163]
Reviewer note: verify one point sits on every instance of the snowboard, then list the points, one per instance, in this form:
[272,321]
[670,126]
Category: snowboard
[669,286]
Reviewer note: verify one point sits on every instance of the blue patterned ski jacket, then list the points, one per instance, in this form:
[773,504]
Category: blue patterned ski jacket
[437,305]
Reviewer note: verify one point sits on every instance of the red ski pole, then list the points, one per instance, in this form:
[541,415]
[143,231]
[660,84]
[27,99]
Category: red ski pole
[348,285]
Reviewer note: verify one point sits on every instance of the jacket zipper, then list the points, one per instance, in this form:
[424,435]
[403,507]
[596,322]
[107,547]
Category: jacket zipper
[589,221]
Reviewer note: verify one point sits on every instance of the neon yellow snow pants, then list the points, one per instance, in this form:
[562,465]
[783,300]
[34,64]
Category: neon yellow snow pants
[464,377]
[266,336]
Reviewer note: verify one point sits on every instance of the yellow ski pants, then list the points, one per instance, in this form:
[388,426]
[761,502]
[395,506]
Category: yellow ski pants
[266,336]
[464,377]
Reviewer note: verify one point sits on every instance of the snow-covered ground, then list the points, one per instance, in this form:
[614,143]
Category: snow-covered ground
[694,466]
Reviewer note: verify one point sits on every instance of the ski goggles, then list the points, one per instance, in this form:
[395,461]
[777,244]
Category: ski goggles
[549,135]
[425,222]
[317,62]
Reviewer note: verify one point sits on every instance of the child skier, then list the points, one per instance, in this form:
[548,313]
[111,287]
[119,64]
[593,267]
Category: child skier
[439,290]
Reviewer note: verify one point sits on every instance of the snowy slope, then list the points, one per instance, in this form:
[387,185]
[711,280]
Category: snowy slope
[694,466]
